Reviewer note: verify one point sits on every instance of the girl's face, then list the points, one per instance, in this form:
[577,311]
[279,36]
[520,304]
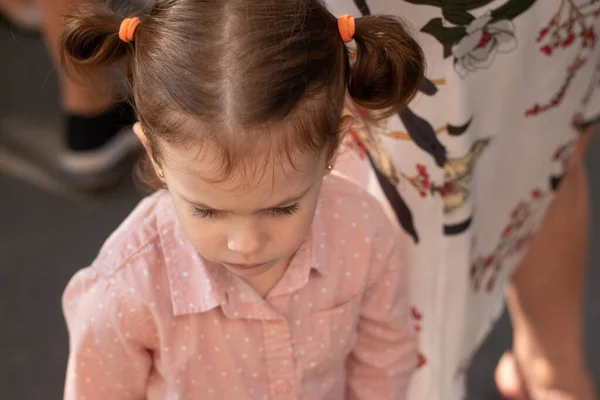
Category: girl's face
[248,224]
[247,228]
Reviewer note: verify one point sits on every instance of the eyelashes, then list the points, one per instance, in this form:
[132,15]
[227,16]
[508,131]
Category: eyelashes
[202,213]
[274,212]
[284,211]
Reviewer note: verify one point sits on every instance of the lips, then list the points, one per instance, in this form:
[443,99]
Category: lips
[245,266]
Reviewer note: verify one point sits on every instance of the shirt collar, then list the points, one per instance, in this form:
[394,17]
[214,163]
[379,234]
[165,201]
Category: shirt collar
[196,285]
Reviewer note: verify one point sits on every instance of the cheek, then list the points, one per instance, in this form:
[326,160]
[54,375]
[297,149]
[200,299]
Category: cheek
[202,234]
[205,241]
[288,236]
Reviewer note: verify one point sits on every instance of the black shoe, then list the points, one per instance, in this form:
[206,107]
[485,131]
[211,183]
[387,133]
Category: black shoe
[98,148]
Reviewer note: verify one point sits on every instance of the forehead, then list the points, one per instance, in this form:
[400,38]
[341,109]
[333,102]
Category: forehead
[253,183]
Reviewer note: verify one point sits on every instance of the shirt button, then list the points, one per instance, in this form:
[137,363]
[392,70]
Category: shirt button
[282,387]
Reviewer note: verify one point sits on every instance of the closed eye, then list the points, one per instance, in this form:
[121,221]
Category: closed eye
[283,211]
[203,213]
[276,212]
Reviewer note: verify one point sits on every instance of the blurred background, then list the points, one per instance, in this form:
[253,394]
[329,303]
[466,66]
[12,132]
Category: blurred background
[48,231]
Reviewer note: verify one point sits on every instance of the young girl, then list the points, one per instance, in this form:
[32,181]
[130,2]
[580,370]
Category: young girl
[258,273]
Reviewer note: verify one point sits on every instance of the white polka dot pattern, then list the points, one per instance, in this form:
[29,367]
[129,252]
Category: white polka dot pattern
[150,319]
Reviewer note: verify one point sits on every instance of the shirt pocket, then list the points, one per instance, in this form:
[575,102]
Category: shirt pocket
[325,339]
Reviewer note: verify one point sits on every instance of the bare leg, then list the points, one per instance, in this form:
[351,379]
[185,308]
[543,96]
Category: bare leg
[82,97]
[13,7]
[545,300]
[21,12]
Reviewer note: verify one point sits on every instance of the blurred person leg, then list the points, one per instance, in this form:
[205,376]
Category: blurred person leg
[78,97]
[98,132]
[98,135]
[24,14]
[546,300]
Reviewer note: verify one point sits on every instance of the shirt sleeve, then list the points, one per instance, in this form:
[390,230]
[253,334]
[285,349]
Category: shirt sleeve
[385,354]
[107,355]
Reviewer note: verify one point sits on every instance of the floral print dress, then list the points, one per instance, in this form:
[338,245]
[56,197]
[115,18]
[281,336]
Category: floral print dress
[469,169]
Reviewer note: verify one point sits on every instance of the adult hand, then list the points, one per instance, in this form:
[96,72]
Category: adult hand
[538,367]
[520,378]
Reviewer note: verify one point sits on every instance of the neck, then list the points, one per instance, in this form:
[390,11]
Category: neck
[263,283]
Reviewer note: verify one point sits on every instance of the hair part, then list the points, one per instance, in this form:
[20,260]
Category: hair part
[233,74]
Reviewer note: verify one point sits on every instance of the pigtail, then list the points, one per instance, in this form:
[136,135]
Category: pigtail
[389,64]
[90,38]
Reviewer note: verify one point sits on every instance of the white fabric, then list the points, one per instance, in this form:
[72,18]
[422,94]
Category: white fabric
[501,169]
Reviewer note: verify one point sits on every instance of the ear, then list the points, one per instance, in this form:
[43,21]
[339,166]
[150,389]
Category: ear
[139,132]
[345,125]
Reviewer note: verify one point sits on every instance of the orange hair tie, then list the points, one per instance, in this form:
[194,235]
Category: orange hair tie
[127,29]
[346,27]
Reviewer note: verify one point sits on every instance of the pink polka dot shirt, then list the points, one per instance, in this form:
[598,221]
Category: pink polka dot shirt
[151,319]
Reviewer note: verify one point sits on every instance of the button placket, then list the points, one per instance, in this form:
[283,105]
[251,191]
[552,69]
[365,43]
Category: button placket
[234,309]
[282,387]
[279,356]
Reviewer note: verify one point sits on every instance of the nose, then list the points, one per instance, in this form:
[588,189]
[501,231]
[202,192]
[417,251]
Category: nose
[247,239]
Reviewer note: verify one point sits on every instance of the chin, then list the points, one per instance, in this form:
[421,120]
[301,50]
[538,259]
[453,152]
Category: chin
[250,272]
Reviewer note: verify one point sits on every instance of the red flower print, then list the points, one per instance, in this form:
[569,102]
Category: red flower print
[576,123]
[485,38]
[521,242]
[446,189]
[542,34]
[589,37]
[518,209]
[547,50]
[490,285]
[421,181]
[569,40]
[571,24]
[516,235]
[416,314]
[533,110]
[358,142]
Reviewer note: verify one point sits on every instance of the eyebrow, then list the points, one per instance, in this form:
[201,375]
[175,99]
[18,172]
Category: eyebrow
[283,203]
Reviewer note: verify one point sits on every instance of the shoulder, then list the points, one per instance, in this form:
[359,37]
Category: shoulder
[349,215]
[130,265]
[346,204]
[353,232]
[136,239]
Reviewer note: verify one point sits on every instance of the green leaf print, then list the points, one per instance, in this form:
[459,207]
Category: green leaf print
[459,130]
[511,9]
[458,22]
[457,16]
[447,36]
[456,4]
[435,3]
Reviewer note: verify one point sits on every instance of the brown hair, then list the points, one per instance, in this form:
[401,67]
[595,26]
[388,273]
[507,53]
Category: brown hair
[238,74]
